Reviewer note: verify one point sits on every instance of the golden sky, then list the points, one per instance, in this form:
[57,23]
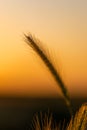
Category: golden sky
[62,27]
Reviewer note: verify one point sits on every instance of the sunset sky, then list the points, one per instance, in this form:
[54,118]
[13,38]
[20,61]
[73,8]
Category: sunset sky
[62,28]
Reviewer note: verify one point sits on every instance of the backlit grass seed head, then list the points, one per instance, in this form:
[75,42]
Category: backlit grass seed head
[31,41]
[80,120]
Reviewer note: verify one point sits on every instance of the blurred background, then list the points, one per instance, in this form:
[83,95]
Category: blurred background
[25,83]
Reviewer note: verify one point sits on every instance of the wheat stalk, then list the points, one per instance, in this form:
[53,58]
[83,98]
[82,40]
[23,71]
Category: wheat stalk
[35,44]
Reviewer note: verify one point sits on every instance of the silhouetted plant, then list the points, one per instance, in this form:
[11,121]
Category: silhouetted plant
[79,122]
[36,45]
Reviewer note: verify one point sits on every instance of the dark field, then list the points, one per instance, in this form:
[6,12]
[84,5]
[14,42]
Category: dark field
[17,113]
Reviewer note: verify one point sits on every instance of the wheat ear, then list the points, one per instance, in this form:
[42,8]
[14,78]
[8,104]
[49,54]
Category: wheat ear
[80,120]
[35,44]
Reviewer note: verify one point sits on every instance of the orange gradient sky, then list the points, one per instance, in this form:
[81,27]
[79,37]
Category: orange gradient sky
[62,27]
